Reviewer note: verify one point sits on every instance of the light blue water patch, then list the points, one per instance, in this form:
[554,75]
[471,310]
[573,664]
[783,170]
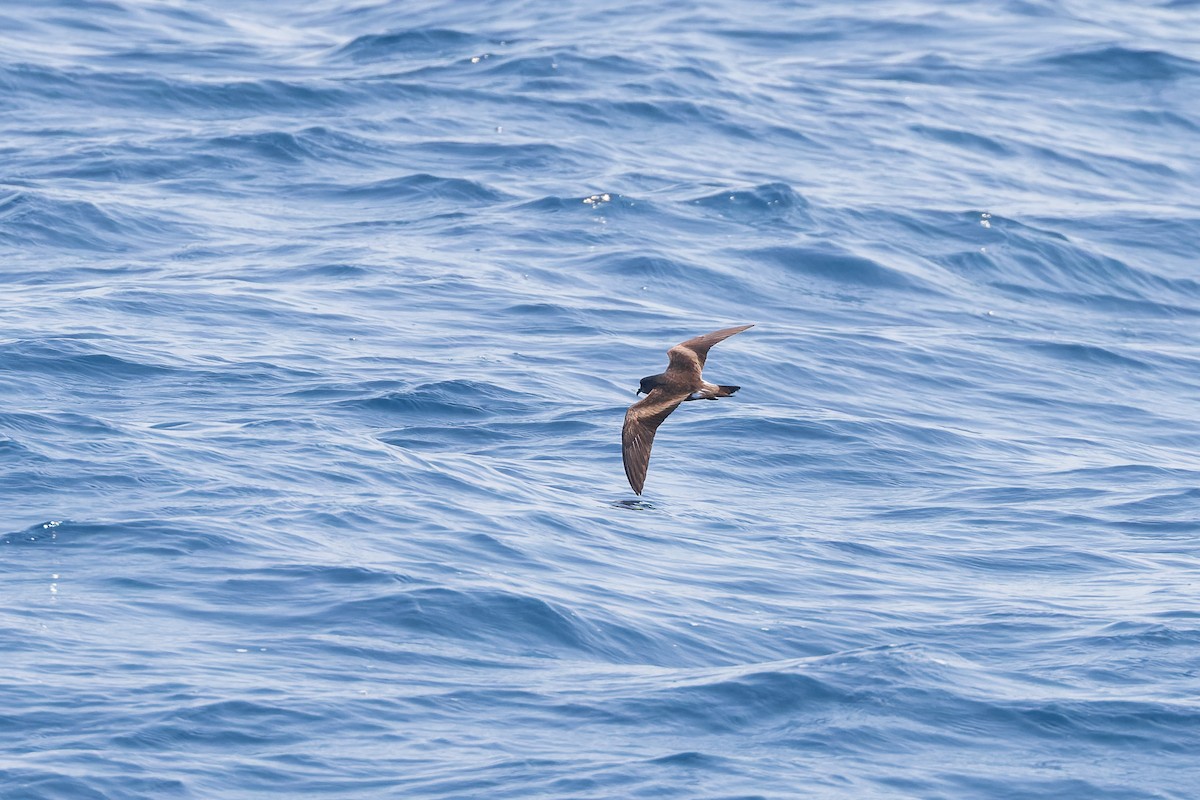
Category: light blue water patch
[320,321]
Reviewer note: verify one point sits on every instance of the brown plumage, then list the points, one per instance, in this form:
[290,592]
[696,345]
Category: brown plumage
[664,392]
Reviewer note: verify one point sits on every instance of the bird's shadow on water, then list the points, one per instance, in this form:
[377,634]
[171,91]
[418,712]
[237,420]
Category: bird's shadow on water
[634,505]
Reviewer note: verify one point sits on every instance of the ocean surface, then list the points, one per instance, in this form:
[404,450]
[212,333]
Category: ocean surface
[318,323]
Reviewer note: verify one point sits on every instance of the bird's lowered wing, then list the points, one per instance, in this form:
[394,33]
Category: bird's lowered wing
[641,421]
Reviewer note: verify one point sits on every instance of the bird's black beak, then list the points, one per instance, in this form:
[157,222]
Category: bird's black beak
[638,392]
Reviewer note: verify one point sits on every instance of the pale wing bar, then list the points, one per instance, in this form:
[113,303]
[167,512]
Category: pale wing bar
[696,349]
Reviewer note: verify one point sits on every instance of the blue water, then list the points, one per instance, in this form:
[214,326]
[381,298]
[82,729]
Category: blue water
[318,324]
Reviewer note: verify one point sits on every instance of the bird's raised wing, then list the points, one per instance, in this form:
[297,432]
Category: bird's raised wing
[689,356]
[641,421]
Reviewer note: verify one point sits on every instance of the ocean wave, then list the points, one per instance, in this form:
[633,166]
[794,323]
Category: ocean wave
[35,218]
[76,358]
[420,186]
[134,537]
[827,263]
[1120,64]
[453,399]
[417,43]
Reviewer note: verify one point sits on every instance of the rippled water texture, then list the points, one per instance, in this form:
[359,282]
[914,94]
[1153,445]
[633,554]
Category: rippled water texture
[318,324]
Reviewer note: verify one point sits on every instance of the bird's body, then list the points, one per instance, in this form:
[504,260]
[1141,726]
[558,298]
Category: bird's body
[683,380]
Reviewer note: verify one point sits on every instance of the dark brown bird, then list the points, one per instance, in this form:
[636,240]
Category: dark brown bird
[664,392]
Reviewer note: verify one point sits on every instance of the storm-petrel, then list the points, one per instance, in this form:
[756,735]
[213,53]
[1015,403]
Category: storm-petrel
[664,392]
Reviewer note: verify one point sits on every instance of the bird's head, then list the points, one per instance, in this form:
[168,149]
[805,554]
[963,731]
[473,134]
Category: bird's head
[648,384]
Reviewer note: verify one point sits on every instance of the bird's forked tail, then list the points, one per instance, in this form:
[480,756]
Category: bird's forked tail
[711,391]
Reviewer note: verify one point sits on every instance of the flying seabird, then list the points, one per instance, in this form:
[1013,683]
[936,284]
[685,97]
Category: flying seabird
[664,392]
